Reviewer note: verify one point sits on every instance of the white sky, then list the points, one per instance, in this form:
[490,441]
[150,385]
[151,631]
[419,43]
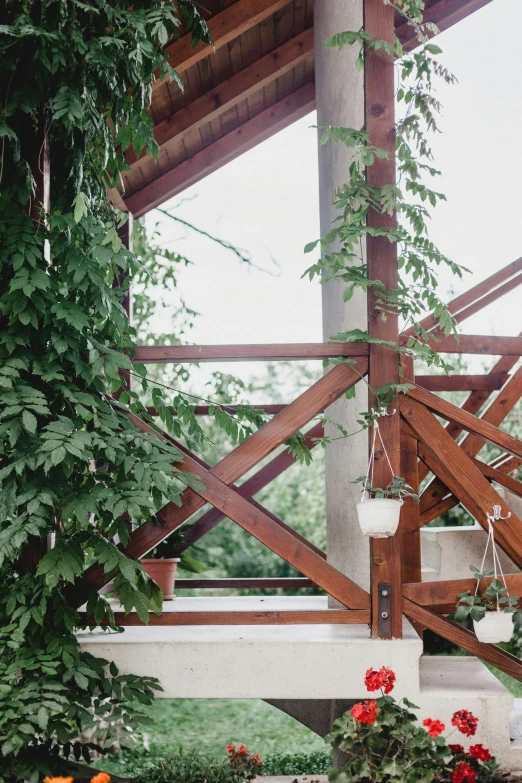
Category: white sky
[267,201]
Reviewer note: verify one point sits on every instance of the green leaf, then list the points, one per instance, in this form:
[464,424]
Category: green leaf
[29,421]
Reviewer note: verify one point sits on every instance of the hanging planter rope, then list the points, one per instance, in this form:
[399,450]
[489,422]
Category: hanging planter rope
[496,626]
[378,516]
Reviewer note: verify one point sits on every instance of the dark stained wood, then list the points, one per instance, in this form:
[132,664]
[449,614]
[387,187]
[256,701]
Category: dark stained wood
[463,638]
[241,460]
[379,88]
[227,148]
[474,403]
[248,489]
[463,478]
[443,13]
[409,527]
[473,424]
[261,526]
[438,383]
[224,27]
[442,596]
[287,583]
[472,295]
[495,414]
[491,297]
[481,344]
[231,91]
[501,478]
[217,617]
[158,354]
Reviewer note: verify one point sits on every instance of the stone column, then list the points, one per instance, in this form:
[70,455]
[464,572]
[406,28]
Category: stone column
[340,102]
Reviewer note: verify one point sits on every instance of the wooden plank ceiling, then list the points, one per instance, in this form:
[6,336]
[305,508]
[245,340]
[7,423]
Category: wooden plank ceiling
[256,80]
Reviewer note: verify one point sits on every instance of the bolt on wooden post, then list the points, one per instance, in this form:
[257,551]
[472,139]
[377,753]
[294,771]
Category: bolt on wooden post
[379,87]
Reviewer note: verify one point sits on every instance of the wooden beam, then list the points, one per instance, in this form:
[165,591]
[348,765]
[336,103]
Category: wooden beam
[463,638]
[443,13]
[463,478]
[439,383]
[313,401]
[409,528]
[217,617]
[159,354]
[256,522]
[232,91]
[379,89]
[248,489]
[474,403]
[442,596]
[495,414]
[224,27]
[478,343]
[286,583]
[483,429]
[469,297]
[261,127]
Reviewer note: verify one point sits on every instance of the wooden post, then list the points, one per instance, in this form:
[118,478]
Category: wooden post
[385,554]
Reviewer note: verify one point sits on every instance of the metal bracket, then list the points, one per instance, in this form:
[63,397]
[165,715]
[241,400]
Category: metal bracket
[384,603]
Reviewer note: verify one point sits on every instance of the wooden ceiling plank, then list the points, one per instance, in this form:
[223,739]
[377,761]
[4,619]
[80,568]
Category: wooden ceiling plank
[229,147]
[479,343]
[224,27]
[159,354]
[232,90]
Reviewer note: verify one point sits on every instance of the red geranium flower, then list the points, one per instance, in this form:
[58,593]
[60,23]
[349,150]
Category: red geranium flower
[365,713]
[231,748]
[433,727]
[465,722]
[456,749]
[256,760]
[242,751]
[463,773]
[480,753]
[384,678]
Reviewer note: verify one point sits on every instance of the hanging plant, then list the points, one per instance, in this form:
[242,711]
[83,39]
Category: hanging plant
[492,611]
[380,512]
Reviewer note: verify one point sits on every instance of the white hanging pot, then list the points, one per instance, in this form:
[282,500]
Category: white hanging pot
[494,627]
[379,517]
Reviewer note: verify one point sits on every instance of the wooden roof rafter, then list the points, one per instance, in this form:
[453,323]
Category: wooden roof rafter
[260,67]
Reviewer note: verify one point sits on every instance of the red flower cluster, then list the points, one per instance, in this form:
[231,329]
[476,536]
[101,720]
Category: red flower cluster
[456,749]
[433,727]
[244,765]
[463,773]
[383,678]
[480,753]
[465,722]
[365,713]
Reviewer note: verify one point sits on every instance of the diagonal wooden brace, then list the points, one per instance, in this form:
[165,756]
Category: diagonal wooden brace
[462,477]
[285,424]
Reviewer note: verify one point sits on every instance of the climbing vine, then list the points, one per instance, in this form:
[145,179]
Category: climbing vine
[419,259]
[73,469]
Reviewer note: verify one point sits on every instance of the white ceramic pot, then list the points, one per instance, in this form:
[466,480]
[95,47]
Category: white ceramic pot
[379,517]
[494,627]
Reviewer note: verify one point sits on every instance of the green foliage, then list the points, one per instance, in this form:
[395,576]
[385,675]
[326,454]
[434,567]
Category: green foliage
[317,762]
[418,257]
[494,598]
[187,767]
[69,454]
[393,747]
[396,489]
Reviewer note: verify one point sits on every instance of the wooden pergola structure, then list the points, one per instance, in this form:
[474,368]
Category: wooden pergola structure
[257,79]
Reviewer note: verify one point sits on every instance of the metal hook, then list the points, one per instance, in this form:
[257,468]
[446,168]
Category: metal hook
[497,515]
[383,412]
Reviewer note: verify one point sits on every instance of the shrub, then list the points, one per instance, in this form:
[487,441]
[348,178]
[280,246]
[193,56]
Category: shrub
[316,763]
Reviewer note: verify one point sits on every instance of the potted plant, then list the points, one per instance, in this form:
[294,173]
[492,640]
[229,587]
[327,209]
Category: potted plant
[162,562]
[492,611]
[379,513]
[383,742]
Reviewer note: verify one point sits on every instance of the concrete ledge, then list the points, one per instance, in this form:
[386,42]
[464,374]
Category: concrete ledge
[258,662]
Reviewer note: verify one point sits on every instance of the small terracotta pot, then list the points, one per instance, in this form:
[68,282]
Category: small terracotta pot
[163,572]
